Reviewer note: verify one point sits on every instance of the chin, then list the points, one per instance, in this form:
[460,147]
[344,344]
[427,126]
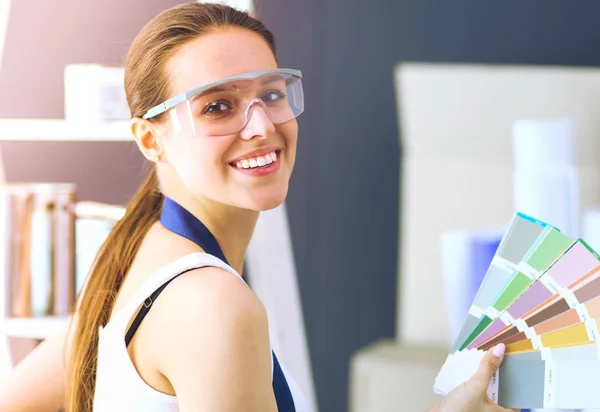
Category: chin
[267,204]
[266,201]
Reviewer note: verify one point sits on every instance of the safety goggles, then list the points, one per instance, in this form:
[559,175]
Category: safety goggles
[224,107]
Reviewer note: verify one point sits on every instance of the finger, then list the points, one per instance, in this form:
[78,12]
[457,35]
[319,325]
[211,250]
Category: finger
[489,365]
[496,408]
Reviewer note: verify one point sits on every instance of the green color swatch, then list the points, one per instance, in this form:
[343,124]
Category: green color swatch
[519,284]
[550,249]
[483,324]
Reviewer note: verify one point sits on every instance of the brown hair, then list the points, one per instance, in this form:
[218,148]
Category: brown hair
[146,85]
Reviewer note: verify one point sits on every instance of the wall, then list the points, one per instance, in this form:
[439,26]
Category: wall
[345,191]
[42,37]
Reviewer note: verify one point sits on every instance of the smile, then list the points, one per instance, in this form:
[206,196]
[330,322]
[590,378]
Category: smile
[257,161]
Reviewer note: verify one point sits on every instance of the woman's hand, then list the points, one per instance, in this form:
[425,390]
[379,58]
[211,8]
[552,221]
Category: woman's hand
[471,396]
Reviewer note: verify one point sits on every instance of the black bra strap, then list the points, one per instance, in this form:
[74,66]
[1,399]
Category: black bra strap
[146,308]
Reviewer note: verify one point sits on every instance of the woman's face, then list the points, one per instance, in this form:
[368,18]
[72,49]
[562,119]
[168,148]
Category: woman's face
[217,168]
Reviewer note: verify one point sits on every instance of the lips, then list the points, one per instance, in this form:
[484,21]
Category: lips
[257,158]
[257,161]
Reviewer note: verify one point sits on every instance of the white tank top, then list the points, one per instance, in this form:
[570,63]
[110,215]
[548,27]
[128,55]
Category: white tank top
[119,387]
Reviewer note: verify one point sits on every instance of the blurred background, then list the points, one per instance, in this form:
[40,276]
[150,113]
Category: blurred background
[410,162]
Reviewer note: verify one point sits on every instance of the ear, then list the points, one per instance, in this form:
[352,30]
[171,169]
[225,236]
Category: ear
[146,136]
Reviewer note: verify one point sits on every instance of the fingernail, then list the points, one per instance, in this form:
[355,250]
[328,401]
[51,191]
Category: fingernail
[498,350]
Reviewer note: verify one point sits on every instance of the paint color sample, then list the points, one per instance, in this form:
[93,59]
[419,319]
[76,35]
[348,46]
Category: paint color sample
[519,284]
[579,262]
[523,232]
[542,295]
[570,317]
[497,327]
[522,235]
[520,346]
[535,295]
[551,311]
[566,319]
[586,291]
[561,378]
[551,248]
[569,336]
[586,351]
[496,280]
[576,385]
[523,384]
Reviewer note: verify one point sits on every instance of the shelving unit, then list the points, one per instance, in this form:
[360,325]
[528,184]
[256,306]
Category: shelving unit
[35,328]
[63,130]
[48,130]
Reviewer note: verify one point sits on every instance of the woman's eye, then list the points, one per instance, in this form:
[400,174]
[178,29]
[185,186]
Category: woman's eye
[273,96]
[216,107]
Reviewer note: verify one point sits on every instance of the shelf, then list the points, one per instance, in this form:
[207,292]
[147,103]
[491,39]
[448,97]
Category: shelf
[62,130]
[35,328]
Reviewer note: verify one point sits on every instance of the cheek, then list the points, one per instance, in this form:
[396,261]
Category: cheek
[200,163]
[289,131]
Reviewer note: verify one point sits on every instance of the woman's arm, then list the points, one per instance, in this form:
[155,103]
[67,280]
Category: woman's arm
[210,338]
[38,382]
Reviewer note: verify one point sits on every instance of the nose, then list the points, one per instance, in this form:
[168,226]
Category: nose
[258,123]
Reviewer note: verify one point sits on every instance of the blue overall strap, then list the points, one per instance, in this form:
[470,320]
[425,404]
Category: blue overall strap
[178,220]
[283,395]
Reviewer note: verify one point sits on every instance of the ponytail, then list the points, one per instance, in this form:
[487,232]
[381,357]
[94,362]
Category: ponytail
[95,306]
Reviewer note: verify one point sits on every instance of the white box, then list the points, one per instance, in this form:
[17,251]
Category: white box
[455,124]
[389,377]
[95,93]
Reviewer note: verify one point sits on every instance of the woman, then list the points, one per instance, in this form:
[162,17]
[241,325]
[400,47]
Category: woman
[166,323]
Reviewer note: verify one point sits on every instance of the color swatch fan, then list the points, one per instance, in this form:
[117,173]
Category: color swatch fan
[541,298]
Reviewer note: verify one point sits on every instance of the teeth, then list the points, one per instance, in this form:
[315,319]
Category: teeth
[258,161]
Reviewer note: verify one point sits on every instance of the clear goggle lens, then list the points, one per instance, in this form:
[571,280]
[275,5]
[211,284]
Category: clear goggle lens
[225,108]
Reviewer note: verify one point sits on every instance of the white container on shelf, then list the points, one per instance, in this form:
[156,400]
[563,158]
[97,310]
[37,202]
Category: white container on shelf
[95,93]
[545,179]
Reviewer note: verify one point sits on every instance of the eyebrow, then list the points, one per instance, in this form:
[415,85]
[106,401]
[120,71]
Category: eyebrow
[272,79]
[222,88]
[215,89]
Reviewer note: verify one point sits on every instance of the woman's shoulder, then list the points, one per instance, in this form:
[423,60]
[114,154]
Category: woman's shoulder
[208,298]
[212,285]
[207,316]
